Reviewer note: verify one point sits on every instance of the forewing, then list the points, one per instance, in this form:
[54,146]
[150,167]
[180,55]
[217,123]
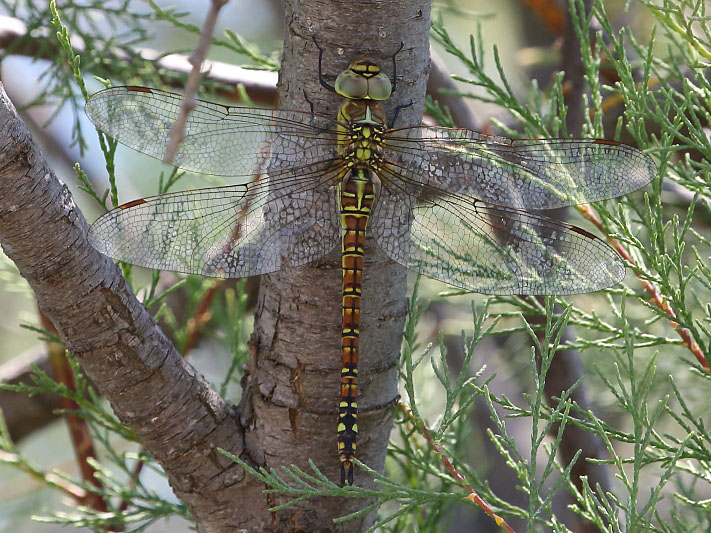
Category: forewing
[232,232]
[487,248]
[219,140]
[524,174]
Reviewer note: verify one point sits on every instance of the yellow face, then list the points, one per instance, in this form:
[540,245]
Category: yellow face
[363,81]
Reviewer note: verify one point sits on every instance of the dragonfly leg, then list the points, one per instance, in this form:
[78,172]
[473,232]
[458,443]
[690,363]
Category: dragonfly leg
[311,105]
[397,112]
[394,82]
[316,127]
[323,82]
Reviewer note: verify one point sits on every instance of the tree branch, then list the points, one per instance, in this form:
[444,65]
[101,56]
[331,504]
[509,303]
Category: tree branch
[259,84]
[196,59]
[170,406]
[292,383]
[441,87]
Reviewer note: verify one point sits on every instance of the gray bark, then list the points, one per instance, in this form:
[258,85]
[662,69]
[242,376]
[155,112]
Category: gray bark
[169,405]
[292,385]
[288,413]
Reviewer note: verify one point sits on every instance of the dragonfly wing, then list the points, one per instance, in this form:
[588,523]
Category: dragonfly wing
[525,174]
[487,248]
[219,140]
[232,232]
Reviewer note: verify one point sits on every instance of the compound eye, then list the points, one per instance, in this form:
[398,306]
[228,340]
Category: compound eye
[351,85]
[379,87]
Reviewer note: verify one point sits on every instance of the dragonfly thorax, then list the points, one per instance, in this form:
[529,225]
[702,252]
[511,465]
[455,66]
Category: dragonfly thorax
[362,112]
[362,144]
[363,153]
[363,80]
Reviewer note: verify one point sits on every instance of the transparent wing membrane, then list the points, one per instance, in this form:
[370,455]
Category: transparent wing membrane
[219,140]
[526,174]
[232,232]
[451,204]
[474,245]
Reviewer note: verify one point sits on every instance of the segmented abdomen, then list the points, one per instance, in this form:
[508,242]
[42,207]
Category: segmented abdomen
[356,204]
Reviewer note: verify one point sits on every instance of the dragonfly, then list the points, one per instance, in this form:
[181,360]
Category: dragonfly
[455,205]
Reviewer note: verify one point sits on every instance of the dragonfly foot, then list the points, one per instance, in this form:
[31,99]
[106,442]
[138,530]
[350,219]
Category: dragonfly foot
[311,104]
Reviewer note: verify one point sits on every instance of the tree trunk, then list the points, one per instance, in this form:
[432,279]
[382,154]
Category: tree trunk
[292,386]
[288,413]
[151,388]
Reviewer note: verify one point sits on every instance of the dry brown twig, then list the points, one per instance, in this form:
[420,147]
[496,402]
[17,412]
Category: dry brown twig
[177,132]
[656,297]
[472,496]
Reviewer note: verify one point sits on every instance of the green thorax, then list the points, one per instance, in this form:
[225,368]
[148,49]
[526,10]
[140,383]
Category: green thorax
[363,86]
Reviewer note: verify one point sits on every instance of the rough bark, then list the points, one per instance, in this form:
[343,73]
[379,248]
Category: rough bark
[169,405]
[292,386]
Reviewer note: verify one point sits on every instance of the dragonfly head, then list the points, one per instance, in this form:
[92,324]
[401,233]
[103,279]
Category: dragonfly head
[363,80]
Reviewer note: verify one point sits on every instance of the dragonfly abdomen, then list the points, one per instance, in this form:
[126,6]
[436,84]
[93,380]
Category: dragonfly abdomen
[356,201]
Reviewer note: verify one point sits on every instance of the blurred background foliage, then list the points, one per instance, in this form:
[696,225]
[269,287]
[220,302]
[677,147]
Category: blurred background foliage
[470,371]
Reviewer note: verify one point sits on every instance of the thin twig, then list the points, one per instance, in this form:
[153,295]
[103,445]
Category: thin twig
[441,86]
[137,469]
[657,298]
[177,132]
[82,441]
[260,85]
[201,317]
[66,487]
[202,314]
[24,413]
[473,496]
